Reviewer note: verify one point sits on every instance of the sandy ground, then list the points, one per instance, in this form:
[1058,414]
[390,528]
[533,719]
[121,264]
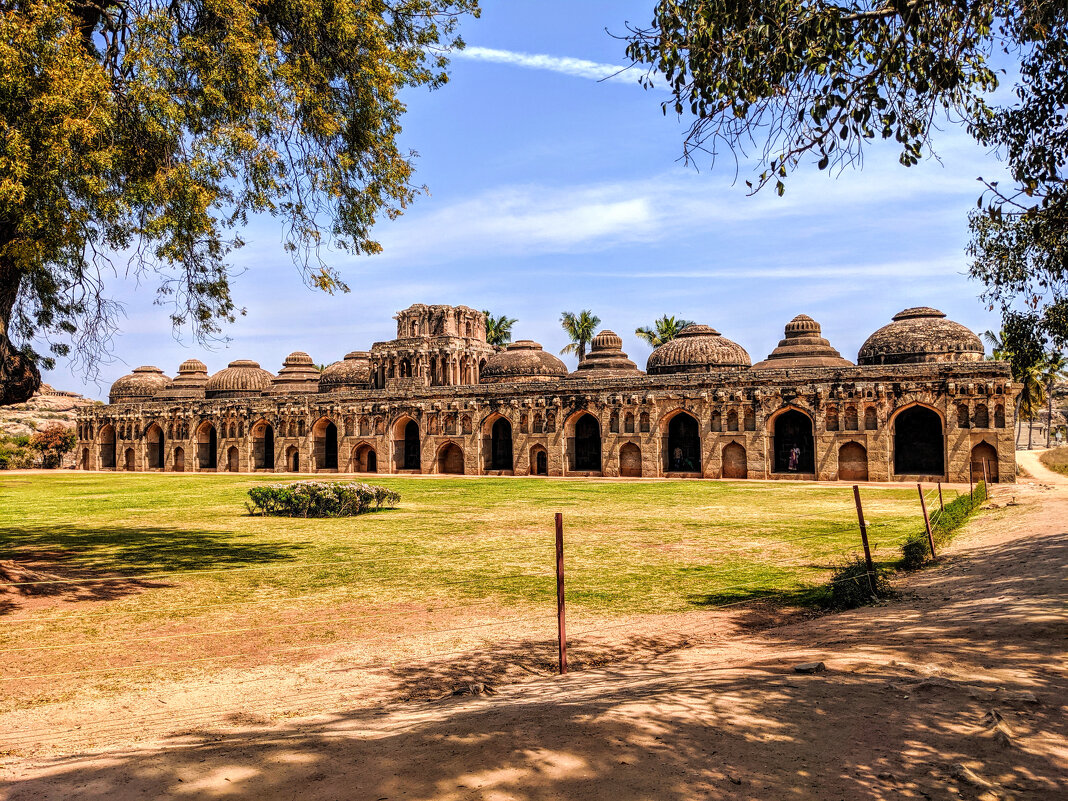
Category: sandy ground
[957,688]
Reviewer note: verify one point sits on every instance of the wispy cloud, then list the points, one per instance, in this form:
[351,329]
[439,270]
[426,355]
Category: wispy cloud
[576,67]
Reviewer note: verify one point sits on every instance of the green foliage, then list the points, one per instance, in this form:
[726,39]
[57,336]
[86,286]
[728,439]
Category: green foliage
[498,329]
[581,328]
[944,524]
[52,442]
[797,82]
[852,585]
[664,330]
[156,129]
[16,453]
[320,499]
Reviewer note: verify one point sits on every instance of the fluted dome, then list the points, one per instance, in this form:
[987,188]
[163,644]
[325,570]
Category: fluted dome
[921,334]
[803,347]
[354,372]
[697,349]
[606,359]
[522,361]
[140,385]
[240,378]
[298,374]
[188,384]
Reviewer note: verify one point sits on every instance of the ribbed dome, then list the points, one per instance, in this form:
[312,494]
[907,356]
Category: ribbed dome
[189,383]
[522,361]
[921,334]
[352,373]
[697,349]
[606,359]
[298,374]
[803,347]
[140,385]
[240,378]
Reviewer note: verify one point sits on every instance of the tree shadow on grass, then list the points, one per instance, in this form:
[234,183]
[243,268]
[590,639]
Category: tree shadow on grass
[67,562]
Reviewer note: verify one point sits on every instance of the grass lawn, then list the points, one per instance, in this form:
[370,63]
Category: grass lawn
[202,578]
[1056,459]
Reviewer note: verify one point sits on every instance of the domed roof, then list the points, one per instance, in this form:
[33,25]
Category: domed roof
[921,334]
[697,349]
[354,372]
[803,347]
[242,377]
[606,359]
[298,374]
[189,383]
[522,361]
[140,385]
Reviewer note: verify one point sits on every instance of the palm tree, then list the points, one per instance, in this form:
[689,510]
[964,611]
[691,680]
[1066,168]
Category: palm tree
[1030,399]
[664,330]
[498,329]
[1053,369]
[998,351]
[580,327]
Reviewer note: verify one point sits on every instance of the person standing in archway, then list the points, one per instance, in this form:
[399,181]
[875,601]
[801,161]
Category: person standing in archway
[795,456]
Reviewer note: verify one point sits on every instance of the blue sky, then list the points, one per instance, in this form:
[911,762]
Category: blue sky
[551,190]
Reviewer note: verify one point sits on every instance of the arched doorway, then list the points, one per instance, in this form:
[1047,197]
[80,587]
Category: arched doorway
[128,459]
[793,443]
[451,459]
[263,446]
[85,459]
[919,445]
[984,455]
[852,462]
[365,460]
[154,446]
[630,461]
[232,460]
[406,445]
[539,461]
[292,459]
[683,451]
[587,444]
[501,445]
[107,447]
[207,447]
[734,461]
[325,433]
[179,460]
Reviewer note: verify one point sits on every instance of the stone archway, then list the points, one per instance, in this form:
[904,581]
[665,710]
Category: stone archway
[154,447]
[292,459]
[852,462]
[406,444]
[500,445]
[263,446]
[793,444]
[128,459]
[324,434]
[207,447]
[919,443]
[364,459]
[630,461]
[107,447]
[735,463]
[539,461]
[586,445]
[84,464]
[985,456]
[682,451]
[451,459]
[233,459]
[179,460]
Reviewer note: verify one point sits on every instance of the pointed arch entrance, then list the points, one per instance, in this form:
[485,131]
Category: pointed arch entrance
[586,445]
[263,446]
[451,459]
[919,443]
[325,435]
[793,443]
[154,446]
[107,447]
[500,445]
[985,462]
[207,447]
[683,444]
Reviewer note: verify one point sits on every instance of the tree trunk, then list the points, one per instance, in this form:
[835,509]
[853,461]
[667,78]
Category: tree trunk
[1049,420]
[19,376]
[1019,420]
[582,351]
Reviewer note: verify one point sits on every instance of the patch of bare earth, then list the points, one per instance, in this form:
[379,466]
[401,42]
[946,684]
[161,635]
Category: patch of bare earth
[957,688]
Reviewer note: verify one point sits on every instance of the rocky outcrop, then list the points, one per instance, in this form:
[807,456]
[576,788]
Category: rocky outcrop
[47,407]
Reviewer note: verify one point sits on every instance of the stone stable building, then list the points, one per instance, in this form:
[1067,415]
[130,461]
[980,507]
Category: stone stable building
[921,403]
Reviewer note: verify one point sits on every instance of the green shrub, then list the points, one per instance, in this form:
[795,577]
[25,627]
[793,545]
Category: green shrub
[944,524]
[852,585]
[16,453]
[319,499]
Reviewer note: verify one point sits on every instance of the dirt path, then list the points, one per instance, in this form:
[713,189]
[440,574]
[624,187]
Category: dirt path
[956,689]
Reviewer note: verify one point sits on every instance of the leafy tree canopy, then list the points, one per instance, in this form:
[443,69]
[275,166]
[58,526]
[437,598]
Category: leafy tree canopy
[799,81]
[150,131]
[580,329]
[498,329]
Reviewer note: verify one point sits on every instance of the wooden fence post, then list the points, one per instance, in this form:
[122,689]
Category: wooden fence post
[561,631]
[941,504]
[986,478]
[864,539]
[926,520]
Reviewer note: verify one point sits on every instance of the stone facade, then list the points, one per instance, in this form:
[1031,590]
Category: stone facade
[440,400]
